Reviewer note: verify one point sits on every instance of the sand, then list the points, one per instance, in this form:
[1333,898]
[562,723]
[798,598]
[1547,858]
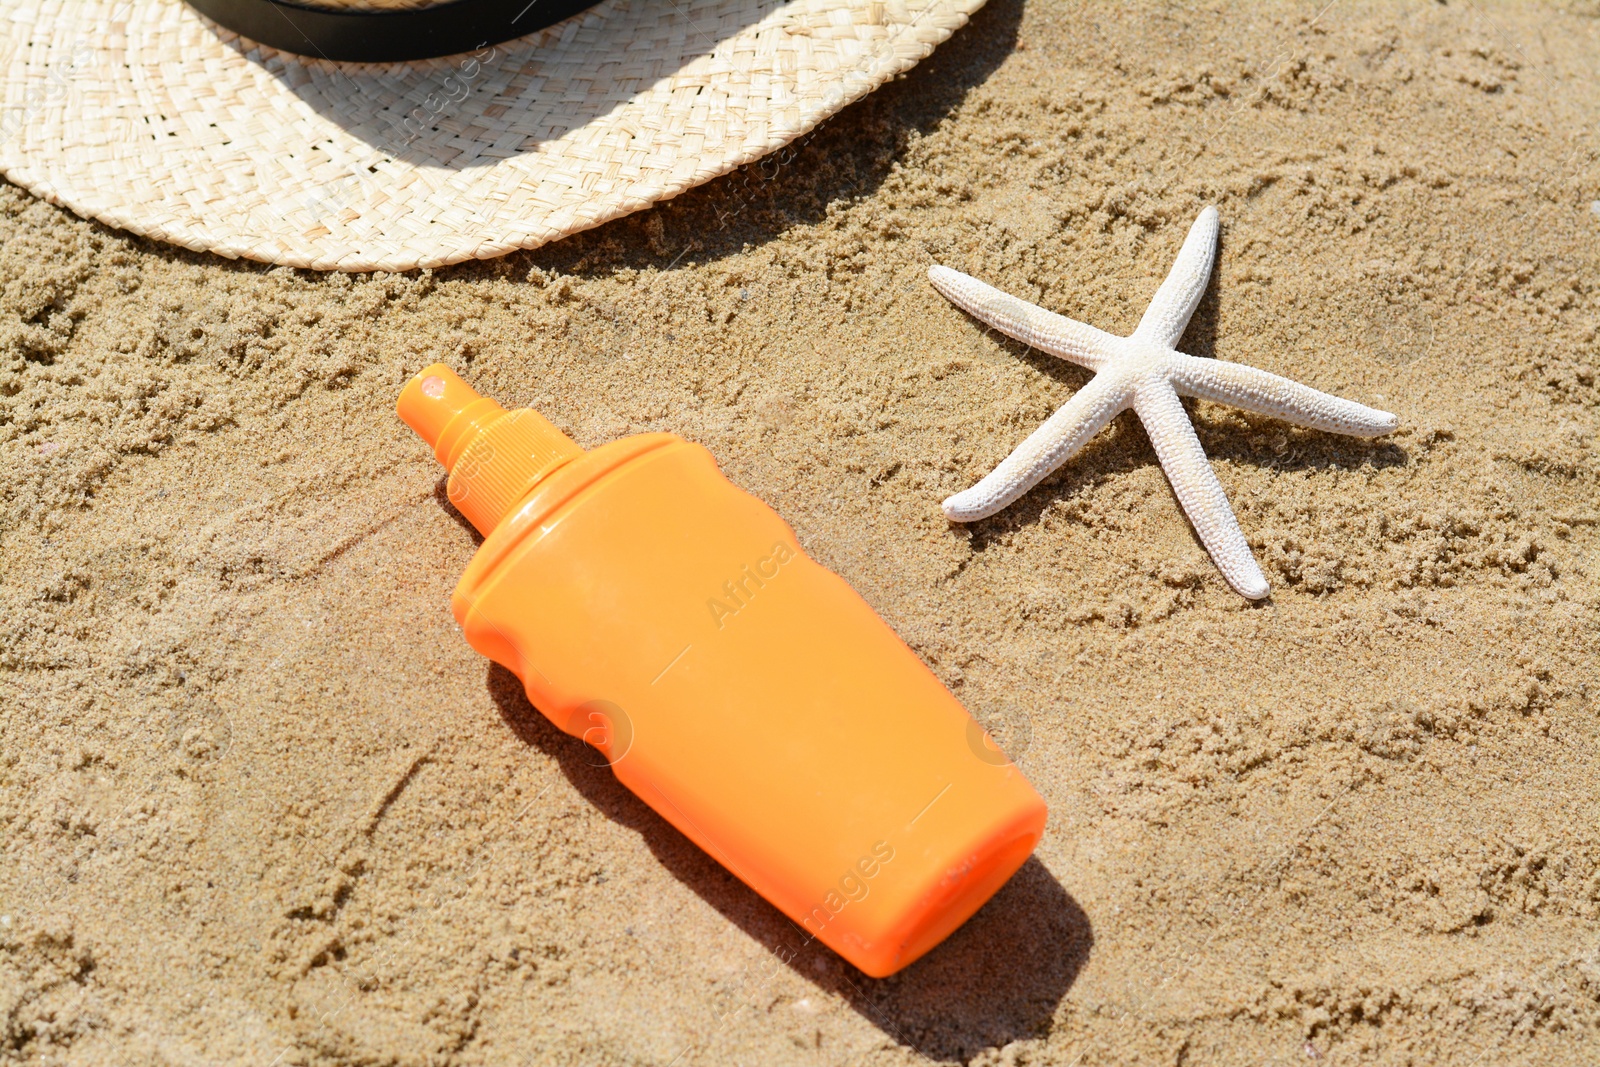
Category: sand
[262,804]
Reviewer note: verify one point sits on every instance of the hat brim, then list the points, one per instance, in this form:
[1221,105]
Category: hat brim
[145,116]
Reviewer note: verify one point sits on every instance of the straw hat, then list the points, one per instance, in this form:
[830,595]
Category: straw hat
[148,116]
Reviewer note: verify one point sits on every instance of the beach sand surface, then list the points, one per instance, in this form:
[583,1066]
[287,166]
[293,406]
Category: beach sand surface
[262,804]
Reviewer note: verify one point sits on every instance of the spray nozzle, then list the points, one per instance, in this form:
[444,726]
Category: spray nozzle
[494,456]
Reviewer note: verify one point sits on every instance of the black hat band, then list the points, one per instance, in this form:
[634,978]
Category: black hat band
[386,36]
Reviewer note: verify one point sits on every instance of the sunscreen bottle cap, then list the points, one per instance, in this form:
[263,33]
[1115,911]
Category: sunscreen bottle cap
[494,456]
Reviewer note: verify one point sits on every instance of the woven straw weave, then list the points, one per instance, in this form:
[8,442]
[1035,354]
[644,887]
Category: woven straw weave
[145,116]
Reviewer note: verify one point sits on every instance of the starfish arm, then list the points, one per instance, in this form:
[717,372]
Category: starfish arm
[1057,438]
[1265,393]
[1197,488]
[1168,314]
[1058,335]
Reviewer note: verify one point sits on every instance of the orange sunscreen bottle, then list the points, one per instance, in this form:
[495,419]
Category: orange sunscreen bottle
[741,689]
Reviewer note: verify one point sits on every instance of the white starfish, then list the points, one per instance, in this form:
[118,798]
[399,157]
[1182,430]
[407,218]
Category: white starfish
[1145,372]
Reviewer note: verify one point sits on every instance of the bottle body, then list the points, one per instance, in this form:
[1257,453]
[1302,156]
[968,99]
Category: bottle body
[749,696]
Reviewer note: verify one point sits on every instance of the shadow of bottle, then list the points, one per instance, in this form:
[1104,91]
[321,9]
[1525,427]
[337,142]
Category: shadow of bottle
[997,979]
